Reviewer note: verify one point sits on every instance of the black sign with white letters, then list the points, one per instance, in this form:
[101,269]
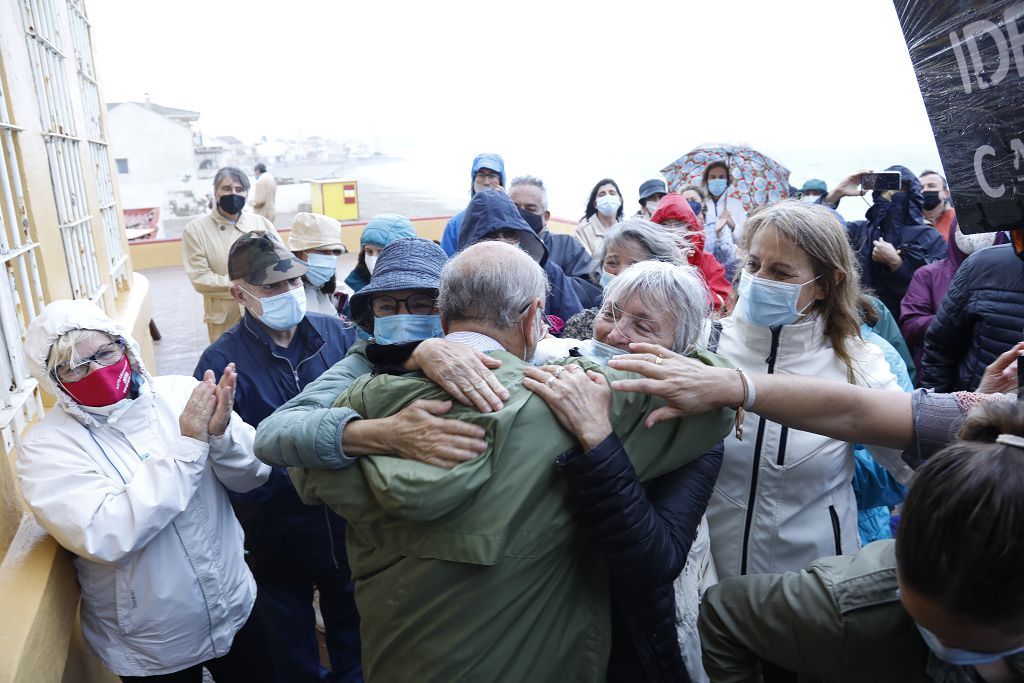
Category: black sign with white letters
[969,60]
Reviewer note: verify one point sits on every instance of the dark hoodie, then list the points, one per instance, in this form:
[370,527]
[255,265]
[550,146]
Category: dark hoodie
[493,210]
[901,223]
[566,252]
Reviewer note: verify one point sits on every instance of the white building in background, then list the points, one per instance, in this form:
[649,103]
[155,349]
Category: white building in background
[154,150]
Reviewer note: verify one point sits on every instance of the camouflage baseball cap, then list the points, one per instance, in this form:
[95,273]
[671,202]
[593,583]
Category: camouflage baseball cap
[261,260]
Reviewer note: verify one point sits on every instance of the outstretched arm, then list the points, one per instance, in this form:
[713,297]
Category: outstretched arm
[834,409]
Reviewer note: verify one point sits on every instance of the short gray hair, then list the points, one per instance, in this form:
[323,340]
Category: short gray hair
[652,238]
[676,290]
[236,174]
[491,282]
[536,182]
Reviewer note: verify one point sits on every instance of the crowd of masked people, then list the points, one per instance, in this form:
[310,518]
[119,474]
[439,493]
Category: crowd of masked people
[688,442]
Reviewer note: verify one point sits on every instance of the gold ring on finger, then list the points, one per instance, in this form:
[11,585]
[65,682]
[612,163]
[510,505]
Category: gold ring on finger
[559,371]
[550,379]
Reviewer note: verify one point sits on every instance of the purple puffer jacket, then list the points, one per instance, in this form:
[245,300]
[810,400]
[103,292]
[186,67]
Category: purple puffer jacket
[926,291]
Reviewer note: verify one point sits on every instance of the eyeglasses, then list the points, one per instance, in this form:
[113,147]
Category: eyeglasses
[417,304]
[107,355]
[633,327]
[487,175]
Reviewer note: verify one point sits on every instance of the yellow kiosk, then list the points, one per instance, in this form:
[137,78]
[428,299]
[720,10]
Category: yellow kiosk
[336,197]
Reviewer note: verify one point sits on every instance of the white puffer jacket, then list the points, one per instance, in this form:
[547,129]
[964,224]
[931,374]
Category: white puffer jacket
[784,497]
[157,548]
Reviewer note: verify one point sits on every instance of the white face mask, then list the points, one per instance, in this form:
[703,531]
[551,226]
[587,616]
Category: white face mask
[809,198]
[608,205]
[370,262]
[652,206]
[972,243]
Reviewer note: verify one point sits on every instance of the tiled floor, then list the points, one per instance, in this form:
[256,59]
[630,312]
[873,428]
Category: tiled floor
[178,314]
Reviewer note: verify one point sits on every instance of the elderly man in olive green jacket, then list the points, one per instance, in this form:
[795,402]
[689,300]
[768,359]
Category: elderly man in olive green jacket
[484,572]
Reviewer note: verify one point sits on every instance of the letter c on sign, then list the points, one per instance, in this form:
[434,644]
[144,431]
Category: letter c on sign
[979,155]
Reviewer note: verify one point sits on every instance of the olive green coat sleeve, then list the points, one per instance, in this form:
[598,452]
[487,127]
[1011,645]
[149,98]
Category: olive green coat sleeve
[838,620]
[307,430]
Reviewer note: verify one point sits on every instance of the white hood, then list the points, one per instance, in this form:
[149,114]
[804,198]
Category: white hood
[59,318]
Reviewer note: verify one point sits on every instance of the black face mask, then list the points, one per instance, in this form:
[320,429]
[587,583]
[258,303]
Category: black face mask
[931,199]
[231,204]
[533,220]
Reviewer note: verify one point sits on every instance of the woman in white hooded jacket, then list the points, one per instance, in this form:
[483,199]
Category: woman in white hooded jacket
[128,472]
[784,497]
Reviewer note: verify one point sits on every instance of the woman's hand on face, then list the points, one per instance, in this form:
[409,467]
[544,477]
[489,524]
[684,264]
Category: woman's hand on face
[418,433]
[579,399]
[688,386]
[1001,376]
[194,420]
[225,393]
[464,373]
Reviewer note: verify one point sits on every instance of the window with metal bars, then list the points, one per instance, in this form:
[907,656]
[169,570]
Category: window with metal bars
[112,232]
[49,73]
[21,293]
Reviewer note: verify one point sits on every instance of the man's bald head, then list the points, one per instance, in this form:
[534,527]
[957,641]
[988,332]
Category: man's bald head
[490,282]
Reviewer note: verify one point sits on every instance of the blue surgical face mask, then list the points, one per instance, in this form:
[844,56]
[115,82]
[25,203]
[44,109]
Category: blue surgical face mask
[406,327]
[696,206]
[606,278]
[320,268]
[608,205]
[717,186]
[962,657]
[767,303]
[598,352]
[283,311]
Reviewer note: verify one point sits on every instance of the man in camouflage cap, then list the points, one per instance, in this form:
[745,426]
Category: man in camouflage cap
[261,260]
[278,348]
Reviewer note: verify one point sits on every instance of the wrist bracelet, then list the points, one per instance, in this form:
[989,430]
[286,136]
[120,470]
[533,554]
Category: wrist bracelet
[748,403]
[741,411]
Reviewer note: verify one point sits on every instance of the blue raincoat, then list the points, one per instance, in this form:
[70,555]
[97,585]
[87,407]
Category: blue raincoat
[450,239]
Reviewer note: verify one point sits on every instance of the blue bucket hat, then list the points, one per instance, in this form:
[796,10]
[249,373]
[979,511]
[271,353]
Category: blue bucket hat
[815,185]
[411,263]
[385,228]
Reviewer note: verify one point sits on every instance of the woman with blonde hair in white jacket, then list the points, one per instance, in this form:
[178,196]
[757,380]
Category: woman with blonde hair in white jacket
[128,472]
[784,497]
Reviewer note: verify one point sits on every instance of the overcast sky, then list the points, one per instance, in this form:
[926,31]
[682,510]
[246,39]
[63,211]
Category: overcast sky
[614,88]
[530,72]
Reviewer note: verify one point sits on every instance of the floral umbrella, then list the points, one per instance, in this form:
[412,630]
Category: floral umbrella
[756,179]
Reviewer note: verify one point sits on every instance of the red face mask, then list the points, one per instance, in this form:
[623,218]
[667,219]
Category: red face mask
[103,387]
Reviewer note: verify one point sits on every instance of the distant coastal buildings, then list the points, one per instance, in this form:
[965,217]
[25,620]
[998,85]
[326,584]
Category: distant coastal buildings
[165,161]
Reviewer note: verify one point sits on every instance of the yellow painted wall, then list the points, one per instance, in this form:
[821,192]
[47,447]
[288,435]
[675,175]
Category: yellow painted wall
[40,639]
[148,254]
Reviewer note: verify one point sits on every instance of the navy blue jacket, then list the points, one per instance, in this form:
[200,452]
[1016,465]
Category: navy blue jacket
[981,317]
[645,534]
[492,210]
[285,537]
[901,223]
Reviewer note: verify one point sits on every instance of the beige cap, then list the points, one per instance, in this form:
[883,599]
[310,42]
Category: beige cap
[314,231]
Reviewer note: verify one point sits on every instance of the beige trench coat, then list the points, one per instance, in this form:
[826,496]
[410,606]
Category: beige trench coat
[205,246]
[264,197]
